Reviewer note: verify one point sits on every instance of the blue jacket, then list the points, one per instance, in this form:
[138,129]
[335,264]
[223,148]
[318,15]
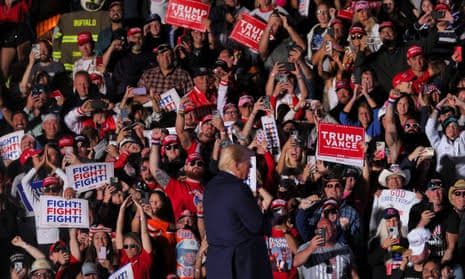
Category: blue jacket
[235,228]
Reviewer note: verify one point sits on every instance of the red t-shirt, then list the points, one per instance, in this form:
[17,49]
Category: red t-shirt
[184,195]
[141,264]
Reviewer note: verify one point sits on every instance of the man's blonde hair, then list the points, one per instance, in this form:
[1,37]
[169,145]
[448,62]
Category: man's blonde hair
[232,155]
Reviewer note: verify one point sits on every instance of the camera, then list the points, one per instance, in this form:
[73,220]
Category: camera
[322,233]
[114,181]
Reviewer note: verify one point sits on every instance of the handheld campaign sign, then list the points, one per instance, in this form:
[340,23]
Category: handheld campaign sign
[170,100]
[186,250]
[279,253]
[188,14]
[86,177]
[400,199]
[10,145]
[252,177]
[56,212]
[248,31]
[340,144]
[123,273]
[271,135]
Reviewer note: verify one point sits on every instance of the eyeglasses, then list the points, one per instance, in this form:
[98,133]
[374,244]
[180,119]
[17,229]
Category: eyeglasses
[412,125]
[356,36]
[459,194]
[130,246]
[144,168]
[197,162]
[333,185]
[172,146]
[54,189]
[42,275]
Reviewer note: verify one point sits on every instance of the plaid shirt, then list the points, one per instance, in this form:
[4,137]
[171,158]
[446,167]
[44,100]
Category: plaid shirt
[178,79]
[308,221]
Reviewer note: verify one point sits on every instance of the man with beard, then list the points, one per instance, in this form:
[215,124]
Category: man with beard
[277,50]
[105,36]
[186,193]
[42,62]
[390,59]
[131,65]
[403,142]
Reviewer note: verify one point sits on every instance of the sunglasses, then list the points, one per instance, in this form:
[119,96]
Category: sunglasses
[130,246]
[197,162]
[333,185]
[413,125]
[54,189]
[322,12]
[172,146]
[459,194]
[356,36]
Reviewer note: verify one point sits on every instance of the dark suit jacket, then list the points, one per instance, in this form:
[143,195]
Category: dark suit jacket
[235,230]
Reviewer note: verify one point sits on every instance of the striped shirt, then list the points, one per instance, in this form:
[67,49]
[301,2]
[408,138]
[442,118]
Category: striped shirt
[327,263]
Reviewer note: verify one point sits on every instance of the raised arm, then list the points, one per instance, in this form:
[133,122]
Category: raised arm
[31,250]
[24,84]
[160,176]
[74,244]
[391,135]
[120,223]
[295,37]
[180,123]
[144,235]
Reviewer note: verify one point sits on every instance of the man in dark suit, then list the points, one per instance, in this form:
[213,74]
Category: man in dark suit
[235,225]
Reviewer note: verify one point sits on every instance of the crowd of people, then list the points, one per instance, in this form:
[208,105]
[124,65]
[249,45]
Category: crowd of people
[392,67]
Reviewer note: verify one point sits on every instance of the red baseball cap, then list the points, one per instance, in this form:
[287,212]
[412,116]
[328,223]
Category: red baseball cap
[50,180]
[278,203]
[66,141]
[342,84]
[194,157]
[414,51]
[57,246]
[133,31]
[169,139]
[84,37]
[357,30]
[385,24]
[402,77]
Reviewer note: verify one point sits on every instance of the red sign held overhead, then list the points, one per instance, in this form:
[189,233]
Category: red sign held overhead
[188,14]
[341,144]
[248,31]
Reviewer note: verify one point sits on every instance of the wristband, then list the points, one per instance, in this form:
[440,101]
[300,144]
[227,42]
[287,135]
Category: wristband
[391,100]
[200,216]
[155,141]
